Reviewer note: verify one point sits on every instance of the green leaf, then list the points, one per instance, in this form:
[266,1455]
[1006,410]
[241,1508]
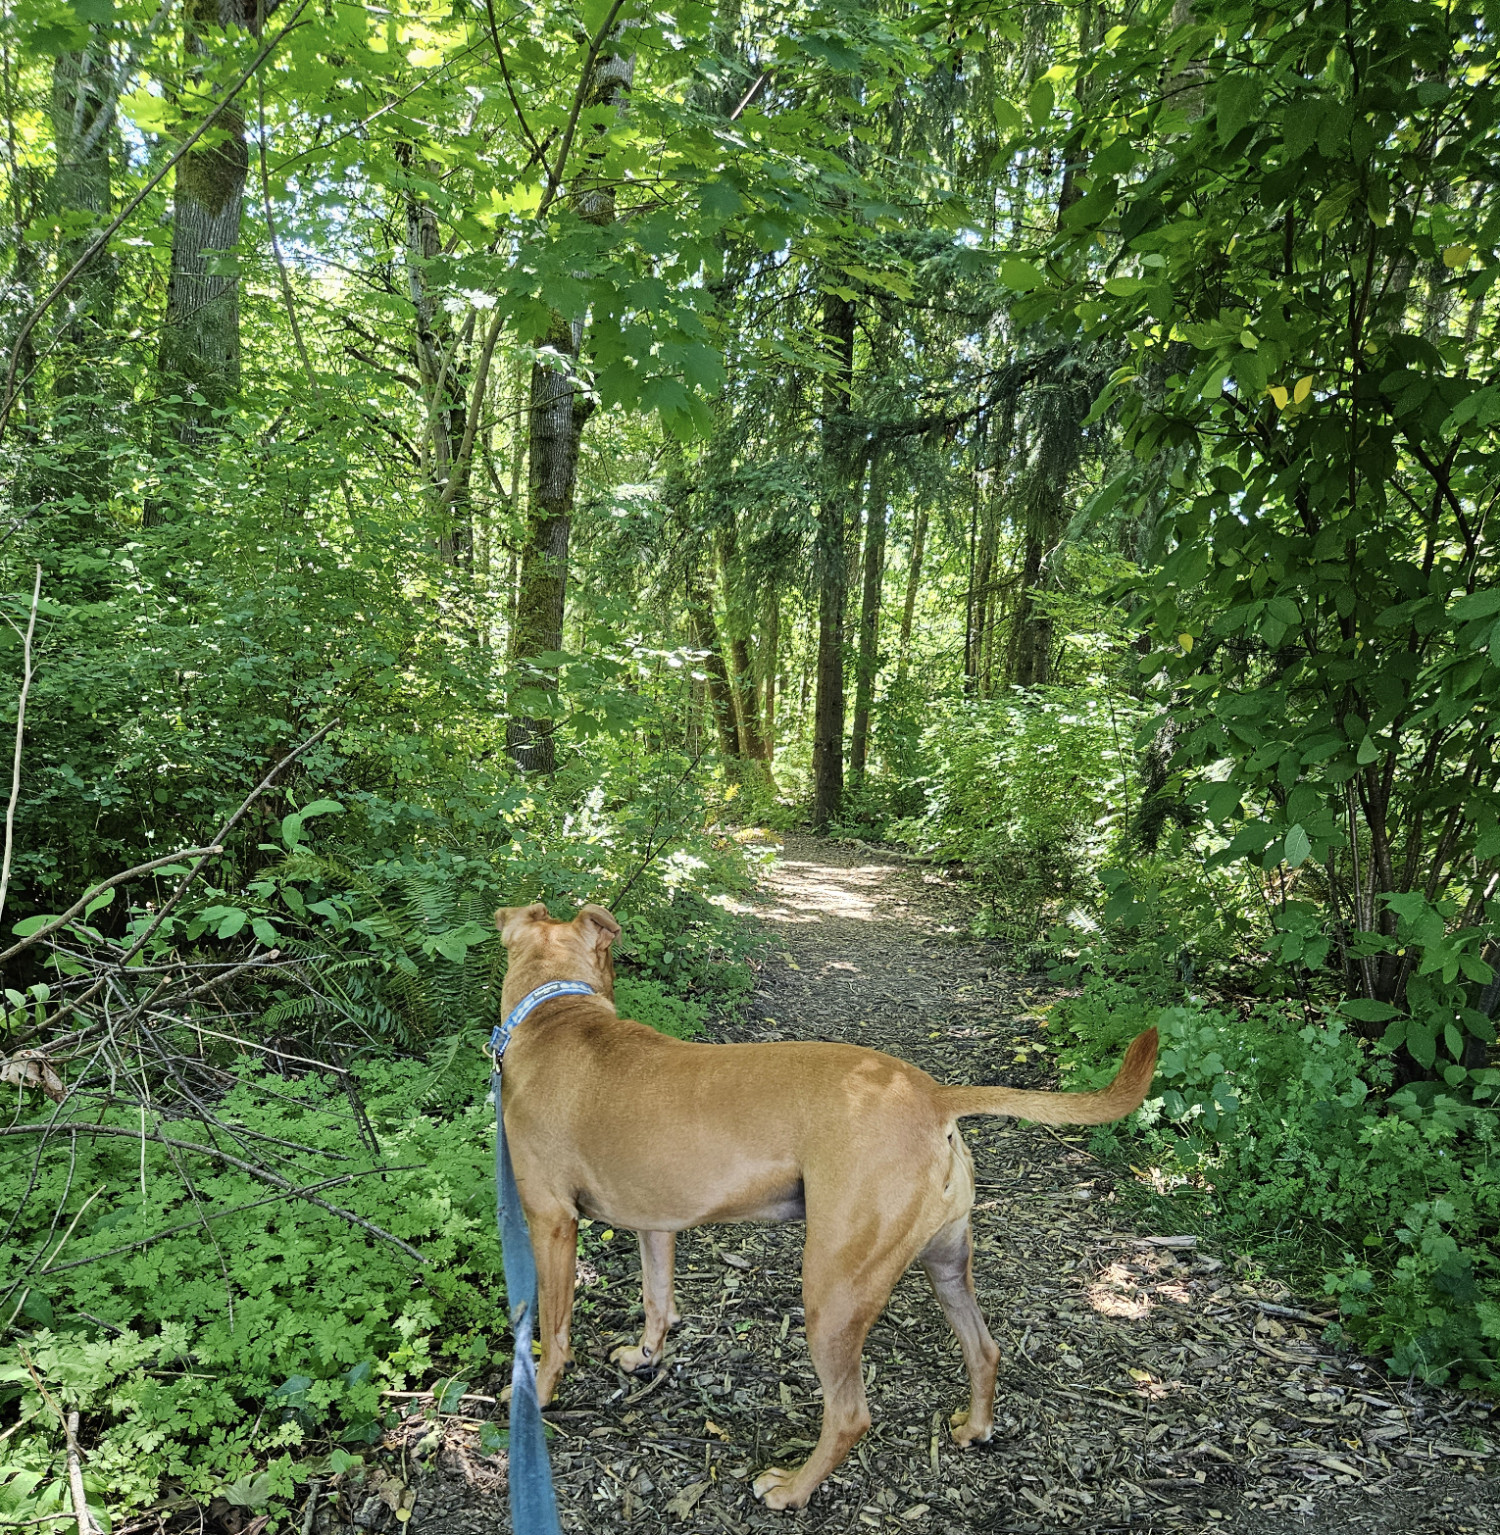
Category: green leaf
[1422,1042]
[1480,604]
[452,946]
[1366,1010]
[1298,846]
[1021,275]
[1238,97]
[99,902]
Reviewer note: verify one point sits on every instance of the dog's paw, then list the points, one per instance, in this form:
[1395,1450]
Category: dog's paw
[635,1359]
[774,1487]
[964,1433]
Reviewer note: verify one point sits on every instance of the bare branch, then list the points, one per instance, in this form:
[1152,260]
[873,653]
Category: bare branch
[15,776]
[93,890]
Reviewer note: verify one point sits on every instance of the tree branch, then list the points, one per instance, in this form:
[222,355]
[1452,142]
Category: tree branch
[15,776]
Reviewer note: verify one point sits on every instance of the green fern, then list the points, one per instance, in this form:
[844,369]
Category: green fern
[413,955]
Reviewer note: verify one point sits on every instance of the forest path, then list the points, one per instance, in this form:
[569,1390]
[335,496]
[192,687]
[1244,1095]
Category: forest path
[1143,1387]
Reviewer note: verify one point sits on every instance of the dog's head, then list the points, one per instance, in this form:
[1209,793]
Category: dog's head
[544,948]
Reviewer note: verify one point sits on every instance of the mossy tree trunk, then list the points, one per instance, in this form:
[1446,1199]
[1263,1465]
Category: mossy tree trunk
[559,408]
[83,126]
[199,358]
[869,618]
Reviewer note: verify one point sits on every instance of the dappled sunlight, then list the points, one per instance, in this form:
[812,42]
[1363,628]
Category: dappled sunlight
[814,891]
[1118,1293]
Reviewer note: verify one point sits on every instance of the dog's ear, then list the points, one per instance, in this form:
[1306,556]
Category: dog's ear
[604,926]
[510,919]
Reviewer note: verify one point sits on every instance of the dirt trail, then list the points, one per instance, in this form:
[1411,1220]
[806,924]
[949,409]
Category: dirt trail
[1143,1386]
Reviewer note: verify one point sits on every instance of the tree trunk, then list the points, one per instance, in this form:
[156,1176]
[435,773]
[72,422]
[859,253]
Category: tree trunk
[558,411]
[770,660]
[199,357]
[705,634]
[559,408]
[984,598]
[838,466]
[913,583]
[83,125]
[742,676]
[1032,627]
[869,618]
[443,384]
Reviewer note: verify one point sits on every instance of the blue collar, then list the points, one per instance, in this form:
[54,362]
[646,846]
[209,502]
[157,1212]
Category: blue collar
[528,1004]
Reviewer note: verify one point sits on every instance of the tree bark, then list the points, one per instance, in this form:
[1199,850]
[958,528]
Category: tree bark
[1032,648]
[770,660]
[984,599]
[838,466]
[913,583]
[559,409]
[443,384]
[737,625]
[83,127]
[705,632]
[869,618]
[199,357]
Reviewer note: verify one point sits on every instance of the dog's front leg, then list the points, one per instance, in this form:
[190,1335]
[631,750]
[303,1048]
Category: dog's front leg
[554,1239]
[658,1256]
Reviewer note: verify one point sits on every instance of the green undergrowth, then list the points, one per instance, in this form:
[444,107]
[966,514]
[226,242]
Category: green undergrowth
[1276,1130]
[219,1339]
[1025,792]
[236,1357]
[211,1356]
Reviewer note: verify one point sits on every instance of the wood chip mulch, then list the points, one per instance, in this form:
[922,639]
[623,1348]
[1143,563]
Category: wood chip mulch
[1146,1384]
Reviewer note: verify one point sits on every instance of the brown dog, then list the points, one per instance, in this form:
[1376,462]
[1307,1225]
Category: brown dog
[610,1119]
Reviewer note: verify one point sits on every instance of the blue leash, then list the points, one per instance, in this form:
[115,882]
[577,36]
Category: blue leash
[533,1503]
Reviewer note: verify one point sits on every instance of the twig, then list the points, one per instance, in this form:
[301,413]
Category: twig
[314,1488]
[653,853]
[1295,1313]
[554,176]
[263,1173]
[15,776]
[458,467]
[286,282]
[510,90]
[750,95]
[218,1215]
[219,840]
[86,1525]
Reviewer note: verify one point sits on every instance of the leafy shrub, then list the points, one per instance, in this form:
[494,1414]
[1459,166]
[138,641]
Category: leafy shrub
[1025,791]
[214,1336]
[1271,1128]
[649,1002]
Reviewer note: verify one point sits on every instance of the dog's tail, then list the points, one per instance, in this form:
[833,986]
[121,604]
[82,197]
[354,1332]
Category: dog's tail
[1117,1100]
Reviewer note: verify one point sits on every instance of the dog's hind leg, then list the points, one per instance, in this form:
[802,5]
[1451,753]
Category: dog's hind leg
[842,1301]
[658,1255]
[949,1262]
[554,1240]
